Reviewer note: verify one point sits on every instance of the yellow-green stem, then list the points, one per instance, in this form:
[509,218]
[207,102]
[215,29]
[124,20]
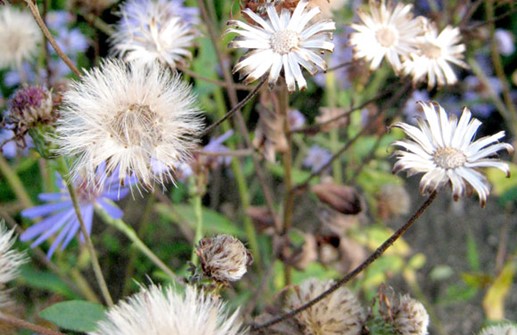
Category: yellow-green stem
[130,233]
[283,99]
[331,93]
[89,244]
[198,235]
[15,183]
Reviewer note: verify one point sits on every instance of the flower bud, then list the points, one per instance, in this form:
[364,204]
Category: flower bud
[223,258]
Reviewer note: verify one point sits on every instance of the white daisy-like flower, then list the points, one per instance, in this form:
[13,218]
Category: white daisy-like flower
[434,55]
[386,32]
[132,116]
[157,311]
[282,42]
[149,31]
[339,313]
[20,37]
[442,148]
[10,261]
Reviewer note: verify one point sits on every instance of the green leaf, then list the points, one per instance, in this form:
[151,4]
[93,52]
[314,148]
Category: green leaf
[213,222]
[298,176]
[76,315]
[45,281]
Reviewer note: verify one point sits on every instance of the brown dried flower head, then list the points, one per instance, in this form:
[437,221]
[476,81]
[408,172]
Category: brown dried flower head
[394,201]
[344,199]
[223,258]
[406,315]
[339,313]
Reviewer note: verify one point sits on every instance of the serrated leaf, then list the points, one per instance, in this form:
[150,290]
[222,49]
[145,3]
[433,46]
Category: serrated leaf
[76,315]
[213,222]
[493,302]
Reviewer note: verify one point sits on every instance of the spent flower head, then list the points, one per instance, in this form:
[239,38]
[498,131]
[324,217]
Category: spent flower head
[339,313]
[223,258]
[150,31]
[442,148]
[410,317]
[59,216]
[132,117]
[20,37]
[160,311]
[388,31]
[282,42]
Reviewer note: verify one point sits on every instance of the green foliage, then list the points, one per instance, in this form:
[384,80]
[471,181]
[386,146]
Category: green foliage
[76,315]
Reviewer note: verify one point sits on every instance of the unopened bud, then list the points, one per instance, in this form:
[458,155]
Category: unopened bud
[223,258]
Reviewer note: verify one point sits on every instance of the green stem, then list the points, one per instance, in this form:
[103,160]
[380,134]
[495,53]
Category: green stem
[334,133]
[15,182]
[198,235]
[19,323]
[242,186]
[89,244]
[283,99]
[130,233]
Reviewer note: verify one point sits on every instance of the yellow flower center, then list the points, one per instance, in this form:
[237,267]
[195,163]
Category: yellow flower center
[386,37]
[449,158]
[136,125]
[431,50]
[283,42]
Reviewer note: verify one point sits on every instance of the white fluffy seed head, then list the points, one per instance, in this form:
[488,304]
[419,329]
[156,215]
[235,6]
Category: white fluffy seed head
[223,258]
[157,311]
[20,36]
[140,118]
[10,261]
[339,313]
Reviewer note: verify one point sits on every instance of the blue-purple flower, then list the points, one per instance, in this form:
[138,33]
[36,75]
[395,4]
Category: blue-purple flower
[59,216]
[316,158]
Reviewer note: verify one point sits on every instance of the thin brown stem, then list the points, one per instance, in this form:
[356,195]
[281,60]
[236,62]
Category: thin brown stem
[19,323]
[35,13]
[196,75]
[235,108]
[351,275]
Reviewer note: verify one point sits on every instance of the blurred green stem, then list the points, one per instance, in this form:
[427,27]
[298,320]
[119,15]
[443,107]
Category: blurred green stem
[283,105]
[331,94]
[63,168]
[511,118]
[130,233]
[19,323]
[15,182]
[241,184]
[198,212]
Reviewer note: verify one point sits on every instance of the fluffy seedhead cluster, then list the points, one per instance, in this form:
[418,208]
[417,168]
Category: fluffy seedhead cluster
[10,261]
[20,37]
[164,311]
[412,45]
[339,313]
[140,119]
[223,258]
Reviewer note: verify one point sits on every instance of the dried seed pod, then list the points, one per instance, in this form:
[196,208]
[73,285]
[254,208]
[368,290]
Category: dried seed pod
[344,199]
[223,258]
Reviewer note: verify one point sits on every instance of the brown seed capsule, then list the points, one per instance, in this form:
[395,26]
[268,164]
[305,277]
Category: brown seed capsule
[344,199]
[223,258]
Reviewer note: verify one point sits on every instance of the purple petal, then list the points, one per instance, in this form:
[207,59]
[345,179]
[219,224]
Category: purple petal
[44,225]
[87,212]
[111,209]
[63,220]
[53,196]
[59,238]
[44,210]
